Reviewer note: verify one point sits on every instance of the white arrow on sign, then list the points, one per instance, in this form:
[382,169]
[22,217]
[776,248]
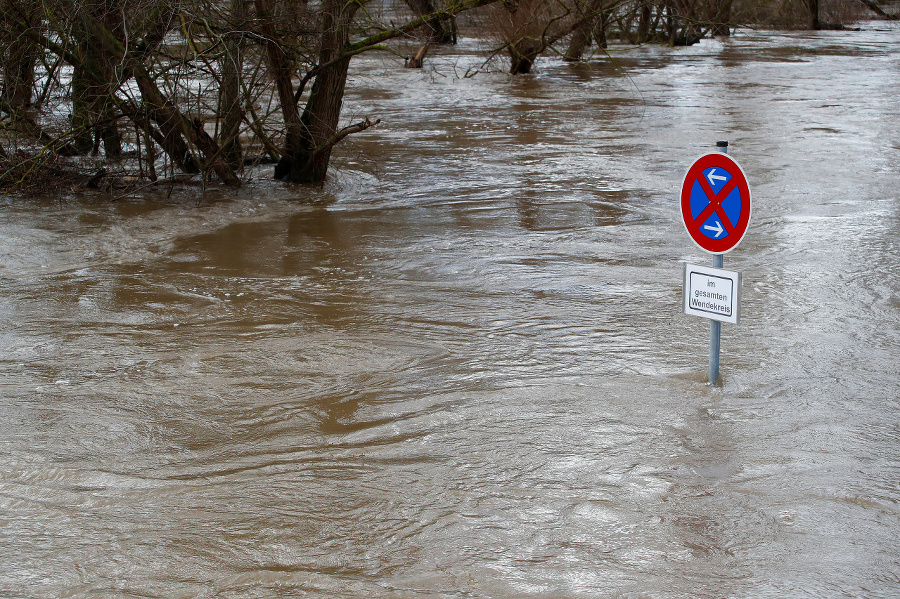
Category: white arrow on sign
[718,228]
[712,175]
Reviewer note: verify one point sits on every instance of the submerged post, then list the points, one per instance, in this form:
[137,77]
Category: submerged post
[715,209]
[715,326]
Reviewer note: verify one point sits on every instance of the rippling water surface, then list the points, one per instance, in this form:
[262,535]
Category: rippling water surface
[461,368]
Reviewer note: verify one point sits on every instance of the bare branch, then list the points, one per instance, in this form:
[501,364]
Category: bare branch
[348,130]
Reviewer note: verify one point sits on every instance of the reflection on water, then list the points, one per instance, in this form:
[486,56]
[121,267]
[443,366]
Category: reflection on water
[460,368]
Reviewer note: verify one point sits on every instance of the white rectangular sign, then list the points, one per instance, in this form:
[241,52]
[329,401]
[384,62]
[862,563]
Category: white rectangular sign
[712,293]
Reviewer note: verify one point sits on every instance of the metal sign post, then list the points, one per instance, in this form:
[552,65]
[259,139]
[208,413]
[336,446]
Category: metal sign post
[715,209]
[715,326]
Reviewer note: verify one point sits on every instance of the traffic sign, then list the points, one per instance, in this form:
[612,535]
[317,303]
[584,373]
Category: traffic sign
[715,203]
[712,293]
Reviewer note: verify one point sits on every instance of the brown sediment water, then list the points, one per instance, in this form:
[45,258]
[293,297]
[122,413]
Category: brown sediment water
[461,369]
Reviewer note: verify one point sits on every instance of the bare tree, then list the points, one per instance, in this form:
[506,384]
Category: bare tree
[439,30]
[18,53]
[529,27]
[595,16]
[94,78]
[537,25]
[201,86]
[231,99]
[312,133]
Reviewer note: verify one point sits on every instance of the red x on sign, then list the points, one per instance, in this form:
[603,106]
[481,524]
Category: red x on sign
[715,203]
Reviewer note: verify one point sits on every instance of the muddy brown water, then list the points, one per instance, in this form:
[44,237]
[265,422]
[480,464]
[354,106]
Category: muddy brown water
[461,369]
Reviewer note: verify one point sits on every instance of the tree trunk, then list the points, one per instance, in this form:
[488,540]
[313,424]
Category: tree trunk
[310,136]
[18,77]
[878,10]
[522,55]
[722,18]
[671,22]
[82,112]
[159,110]
[441,30]
[19,53]
[417,61]
[579,42]
[309,163]
[175,127]
[281,69]
[591,25]
[524,51]
[94,82]
[813,8]
[230,103]
[600,27]
[643,32]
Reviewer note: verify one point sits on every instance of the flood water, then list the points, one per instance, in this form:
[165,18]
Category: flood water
[461,369]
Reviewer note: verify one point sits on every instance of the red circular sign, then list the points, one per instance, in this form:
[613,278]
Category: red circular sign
[715,203]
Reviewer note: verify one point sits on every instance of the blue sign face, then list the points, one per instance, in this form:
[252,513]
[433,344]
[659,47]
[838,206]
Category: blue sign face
[715,203]
[712,227]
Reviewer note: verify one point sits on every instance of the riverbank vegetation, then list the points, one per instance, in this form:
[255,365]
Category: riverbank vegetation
[114,94]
